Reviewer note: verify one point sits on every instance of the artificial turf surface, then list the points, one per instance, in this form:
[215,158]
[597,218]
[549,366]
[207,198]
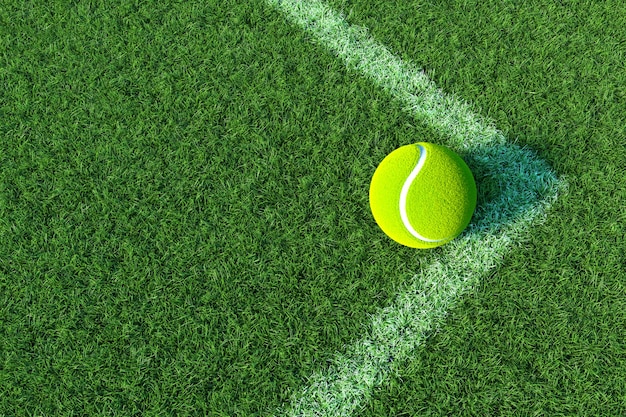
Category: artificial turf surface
[184,224]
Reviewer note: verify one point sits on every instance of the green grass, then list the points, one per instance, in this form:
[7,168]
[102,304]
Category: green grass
[184,221]
[184,224]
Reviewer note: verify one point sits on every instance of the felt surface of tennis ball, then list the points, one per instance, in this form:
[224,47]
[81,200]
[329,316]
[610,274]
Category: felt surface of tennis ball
[422,195]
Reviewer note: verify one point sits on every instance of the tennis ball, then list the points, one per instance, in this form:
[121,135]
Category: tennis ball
[422,195]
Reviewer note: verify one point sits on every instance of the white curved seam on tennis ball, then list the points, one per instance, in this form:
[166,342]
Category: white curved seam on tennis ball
[405,193]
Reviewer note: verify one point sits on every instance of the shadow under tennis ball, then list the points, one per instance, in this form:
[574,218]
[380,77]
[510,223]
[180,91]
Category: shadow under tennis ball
[510,181]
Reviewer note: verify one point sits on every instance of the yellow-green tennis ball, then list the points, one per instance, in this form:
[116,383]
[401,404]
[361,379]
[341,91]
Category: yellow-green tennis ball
[422,195]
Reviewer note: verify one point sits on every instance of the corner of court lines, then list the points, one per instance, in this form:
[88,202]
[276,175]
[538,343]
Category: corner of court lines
[516,189]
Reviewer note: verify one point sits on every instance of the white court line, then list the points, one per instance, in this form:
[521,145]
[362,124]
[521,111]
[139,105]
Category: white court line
[515,190]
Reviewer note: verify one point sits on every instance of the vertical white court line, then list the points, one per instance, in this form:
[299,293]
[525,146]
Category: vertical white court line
[517,190]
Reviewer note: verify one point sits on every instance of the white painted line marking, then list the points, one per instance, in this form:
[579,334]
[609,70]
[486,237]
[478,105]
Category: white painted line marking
[516,188]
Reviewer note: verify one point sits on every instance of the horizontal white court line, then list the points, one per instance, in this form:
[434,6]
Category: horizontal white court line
[515,190]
